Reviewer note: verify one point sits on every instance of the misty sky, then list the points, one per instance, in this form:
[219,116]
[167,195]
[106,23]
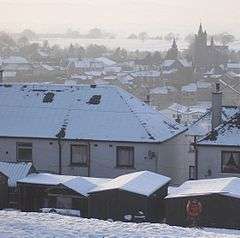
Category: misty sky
[153,16]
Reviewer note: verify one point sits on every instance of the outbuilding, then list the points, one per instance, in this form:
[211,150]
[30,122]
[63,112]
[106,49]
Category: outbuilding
[45,190]
[3,191]
[135,197]
[217,203]
[13,172]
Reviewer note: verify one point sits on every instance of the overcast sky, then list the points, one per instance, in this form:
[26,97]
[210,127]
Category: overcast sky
[153,16]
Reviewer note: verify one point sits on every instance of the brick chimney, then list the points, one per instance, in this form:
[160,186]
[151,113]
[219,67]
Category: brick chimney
[216,107]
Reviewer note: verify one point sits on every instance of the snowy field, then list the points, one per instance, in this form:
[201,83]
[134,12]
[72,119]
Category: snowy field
[17,224]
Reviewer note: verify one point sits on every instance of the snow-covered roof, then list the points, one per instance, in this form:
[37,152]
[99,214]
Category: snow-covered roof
[224,186]
[227,134]
[15,171]
[163,90]
[233,65]
[48,67]
[168,63]
[88,63]
[81,185]
[188,109]
[15,60]
[46,179]
[102,112]
[143,182]
[106,61]
[204,125]
[192,87]
[146,73]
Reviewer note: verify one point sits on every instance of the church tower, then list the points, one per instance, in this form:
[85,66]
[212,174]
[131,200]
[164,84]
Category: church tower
[200,51]
[172,53]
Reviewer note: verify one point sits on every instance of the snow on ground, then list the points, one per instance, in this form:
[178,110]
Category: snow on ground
[16,224]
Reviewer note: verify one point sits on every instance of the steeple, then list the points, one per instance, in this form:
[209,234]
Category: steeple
[174,44]
[200,30]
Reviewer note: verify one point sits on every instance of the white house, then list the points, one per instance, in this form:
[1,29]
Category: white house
[98,131]
[219,152]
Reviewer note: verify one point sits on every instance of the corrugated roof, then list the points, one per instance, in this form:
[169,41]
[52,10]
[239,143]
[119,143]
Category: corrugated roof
[118,117]
[15,171]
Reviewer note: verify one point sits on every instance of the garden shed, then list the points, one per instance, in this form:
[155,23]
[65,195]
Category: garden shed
[45,190]
[135,197]
[219,200]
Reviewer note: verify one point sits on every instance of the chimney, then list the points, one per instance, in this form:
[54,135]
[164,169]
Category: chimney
[148,101]
[216,107]
[1,75]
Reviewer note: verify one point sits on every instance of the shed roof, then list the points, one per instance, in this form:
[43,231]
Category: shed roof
[223,186]
[81,185]
[15,171]
[143,182]
[41,111]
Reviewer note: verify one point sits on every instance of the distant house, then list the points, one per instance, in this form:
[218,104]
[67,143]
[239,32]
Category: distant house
[44,190]
[219,200]
[16,66]
[98,131]
[131,197]
[14,172]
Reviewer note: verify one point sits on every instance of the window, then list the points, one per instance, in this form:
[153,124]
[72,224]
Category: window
[79,155]
[230,161]
[125,156]
[24,152]
[192,172]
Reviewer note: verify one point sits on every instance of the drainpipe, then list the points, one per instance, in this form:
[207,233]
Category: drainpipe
[89,161]
[196,157]
[1,75]
[60,135]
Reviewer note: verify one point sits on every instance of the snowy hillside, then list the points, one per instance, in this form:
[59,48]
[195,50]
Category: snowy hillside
[17,224]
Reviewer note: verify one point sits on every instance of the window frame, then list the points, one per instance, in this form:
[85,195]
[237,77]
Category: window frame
[117,157]
[72,163]
[20,145]
[228,151]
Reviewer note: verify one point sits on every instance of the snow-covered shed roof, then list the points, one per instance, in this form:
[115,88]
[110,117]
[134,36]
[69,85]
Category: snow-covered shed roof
[202,126]
[46,179]
[81,185]
[224,186]
[143,182]
[15,171]
[102,112]
[227,134]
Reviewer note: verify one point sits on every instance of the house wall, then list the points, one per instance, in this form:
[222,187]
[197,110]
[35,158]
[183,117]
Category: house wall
[175,158]
[172,158]
[102,156]
[209,159]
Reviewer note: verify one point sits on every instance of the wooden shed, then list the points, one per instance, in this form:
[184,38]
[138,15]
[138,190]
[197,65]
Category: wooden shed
[14,171]
[45,190]
[132,197]
[3,190]
[219,200]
